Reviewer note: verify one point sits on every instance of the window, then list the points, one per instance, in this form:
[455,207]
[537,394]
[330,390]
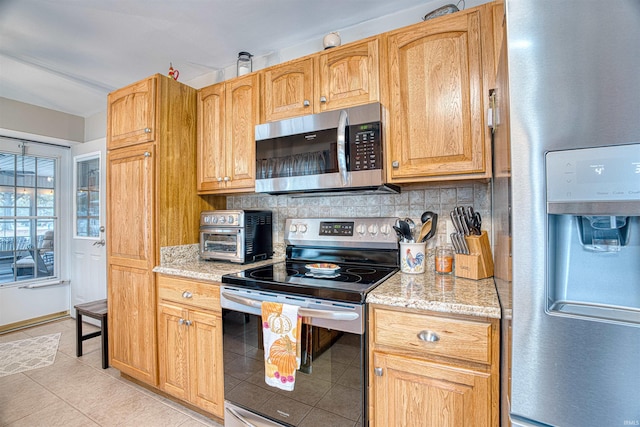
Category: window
[27,216]
[87,195]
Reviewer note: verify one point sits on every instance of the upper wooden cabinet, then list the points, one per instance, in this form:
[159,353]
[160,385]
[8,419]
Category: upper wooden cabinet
[288,90]
[227,115]
[348,75]
[336,78]
[439,73]
[131,115]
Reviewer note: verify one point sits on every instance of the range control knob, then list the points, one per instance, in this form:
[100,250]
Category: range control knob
[293,228]
[302,228]
[361,229]
[223,220]
[373,229]
[385,229]
[230,219]
[214,219]
[206,219]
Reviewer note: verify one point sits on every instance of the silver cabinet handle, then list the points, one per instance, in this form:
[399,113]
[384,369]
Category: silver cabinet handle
[428,336]
[187,294]
[188,322]
[341,147]
[304,312]
[147,130]
[181,321]
[306,103]
[378,372]
[147,154]
[226,178]
[323,99]
[219,179]
[395,164]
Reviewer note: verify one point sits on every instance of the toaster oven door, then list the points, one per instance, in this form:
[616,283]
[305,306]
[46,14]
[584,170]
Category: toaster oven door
[222,243]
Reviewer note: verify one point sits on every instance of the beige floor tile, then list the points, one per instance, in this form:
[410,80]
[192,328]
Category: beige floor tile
[20,396]
[60,414]
[13,336]
[76,391]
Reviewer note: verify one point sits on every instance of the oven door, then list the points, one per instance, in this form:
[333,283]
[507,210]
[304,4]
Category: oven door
[222,243]
[329,387]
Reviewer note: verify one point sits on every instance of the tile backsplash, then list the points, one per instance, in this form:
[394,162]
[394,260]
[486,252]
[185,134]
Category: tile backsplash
[411,202]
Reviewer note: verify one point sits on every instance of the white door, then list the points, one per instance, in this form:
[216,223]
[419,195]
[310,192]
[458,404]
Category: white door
[88,264]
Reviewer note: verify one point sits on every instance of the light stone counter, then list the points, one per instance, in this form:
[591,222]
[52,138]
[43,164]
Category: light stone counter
[442,293]
[428,291]
[211,271]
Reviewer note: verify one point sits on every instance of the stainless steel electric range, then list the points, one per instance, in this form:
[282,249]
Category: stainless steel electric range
[331,265]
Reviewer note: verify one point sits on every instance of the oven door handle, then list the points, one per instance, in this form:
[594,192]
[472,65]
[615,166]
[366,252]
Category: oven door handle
[304,312]
[239,417]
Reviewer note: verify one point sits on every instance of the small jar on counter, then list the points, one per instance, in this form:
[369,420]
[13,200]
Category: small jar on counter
[444,260]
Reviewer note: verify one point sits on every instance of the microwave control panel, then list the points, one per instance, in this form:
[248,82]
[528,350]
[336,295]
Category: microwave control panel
[365,147]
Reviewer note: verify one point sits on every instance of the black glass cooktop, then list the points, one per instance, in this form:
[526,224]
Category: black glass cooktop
[349,283]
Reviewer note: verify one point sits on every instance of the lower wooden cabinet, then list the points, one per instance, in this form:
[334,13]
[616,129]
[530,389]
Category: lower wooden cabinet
[190,342]
[420,374]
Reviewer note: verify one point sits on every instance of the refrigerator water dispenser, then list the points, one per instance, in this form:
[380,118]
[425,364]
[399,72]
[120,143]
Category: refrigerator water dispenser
[593,219]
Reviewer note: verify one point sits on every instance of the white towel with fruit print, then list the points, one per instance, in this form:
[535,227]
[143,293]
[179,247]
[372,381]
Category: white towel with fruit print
[281,331]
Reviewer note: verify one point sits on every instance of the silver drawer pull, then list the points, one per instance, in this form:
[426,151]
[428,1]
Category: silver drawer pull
[181,322]
[187,294]
[378,372]
[428,336]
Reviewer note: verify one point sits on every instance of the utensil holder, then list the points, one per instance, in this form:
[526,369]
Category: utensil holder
[413,257]
[479,263]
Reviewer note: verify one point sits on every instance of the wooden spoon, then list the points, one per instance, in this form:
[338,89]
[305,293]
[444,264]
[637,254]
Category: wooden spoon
[424,230]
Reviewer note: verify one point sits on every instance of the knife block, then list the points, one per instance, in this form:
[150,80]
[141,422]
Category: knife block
[479,263]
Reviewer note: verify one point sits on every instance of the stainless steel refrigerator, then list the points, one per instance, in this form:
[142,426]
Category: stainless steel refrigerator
[567,212]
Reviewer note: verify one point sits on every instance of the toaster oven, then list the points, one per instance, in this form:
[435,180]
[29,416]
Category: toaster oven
[240,236]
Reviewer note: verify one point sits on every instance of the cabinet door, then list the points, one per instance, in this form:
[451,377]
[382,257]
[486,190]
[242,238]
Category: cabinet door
[131,255]
[288,90]
[173,350]
[211,138]
[130,206]
[205,359]
[241,117]
[418,393]
[132,323]
[436,99]
[348,76]
[131,114]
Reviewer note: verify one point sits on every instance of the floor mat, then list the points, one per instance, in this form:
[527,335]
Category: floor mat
[31,353]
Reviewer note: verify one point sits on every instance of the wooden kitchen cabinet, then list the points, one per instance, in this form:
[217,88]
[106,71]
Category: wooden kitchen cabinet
[336,78]
[190,342]
[227,115]
[148,207]
[131,115]
[439,73]
[451,381]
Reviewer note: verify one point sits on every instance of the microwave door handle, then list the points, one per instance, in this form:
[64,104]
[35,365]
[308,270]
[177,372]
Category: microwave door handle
[304,312]
[341,147]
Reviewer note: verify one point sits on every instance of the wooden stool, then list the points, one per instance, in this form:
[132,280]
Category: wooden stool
[96,310]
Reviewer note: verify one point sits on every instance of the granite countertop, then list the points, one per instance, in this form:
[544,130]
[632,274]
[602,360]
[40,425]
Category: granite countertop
[207,270]
[428,291]
[442,293]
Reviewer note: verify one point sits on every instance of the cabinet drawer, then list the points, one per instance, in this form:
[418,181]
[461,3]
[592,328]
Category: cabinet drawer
[189,292]
[460,339]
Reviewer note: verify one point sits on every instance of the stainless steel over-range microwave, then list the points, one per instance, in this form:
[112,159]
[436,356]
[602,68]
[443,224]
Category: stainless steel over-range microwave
[338,150]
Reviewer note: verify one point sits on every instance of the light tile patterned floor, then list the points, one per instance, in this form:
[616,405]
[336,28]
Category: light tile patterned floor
[76,391]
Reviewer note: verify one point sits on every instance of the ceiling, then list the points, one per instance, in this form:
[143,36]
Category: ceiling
[67,55]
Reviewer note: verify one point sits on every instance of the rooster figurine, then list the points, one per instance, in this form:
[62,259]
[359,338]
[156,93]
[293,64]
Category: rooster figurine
[412,261]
